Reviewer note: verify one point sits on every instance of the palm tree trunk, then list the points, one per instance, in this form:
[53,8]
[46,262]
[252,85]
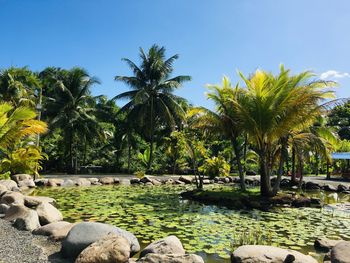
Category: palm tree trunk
[152,137]
[265,182]
[129,156]
[283,156]
[241,171]
[293,179]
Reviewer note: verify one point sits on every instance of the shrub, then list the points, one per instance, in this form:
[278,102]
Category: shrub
[215,166]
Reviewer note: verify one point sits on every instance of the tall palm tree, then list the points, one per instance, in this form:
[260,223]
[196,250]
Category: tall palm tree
[151,99]
[275,106]
[71,108]
[223,120]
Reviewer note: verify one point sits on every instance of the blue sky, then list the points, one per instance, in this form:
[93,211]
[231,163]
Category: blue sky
[212,37]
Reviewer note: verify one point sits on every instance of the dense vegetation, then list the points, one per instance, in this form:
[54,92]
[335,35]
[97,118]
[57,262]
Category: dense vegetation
[266,124]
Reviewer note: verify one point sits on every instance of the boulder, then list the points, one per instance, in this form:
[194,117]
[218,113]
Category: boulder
[20,177]
[340,253]
[171,258]
[68,183]
[110,249]
[186,180]
[156,182]
[301,202]
[84,234]
[312,186]
[168,245]
[268,254]
[342,188]
[325,244]
[12,198]
[27,183]
[28,222]
[82,182]
[9,184]
[55,182]
[4,208]
[48,213]
[41,182]
[23,217]
[106,180]
[179,182]
[169,181]
[330,188]
[3,189]
[93,180]
[146,180]
[206,181]
[56,231]
[116,180]
[33,201]
[134,181]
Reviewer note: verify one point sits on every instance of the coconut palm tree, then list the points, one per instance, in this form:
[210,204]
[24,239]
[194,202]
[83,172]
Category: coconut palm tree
[151,99]
[71,109]
[224,120]
[275,106]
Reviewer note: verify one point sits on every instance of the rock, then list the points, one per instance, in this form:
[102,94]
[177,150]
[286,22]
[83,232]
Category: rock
[106,180]
[179,182]
[312,186]
[110,249]
[33,201]
[340,253]
[116,180]
[134,181]
[56,230]
[156,182]
[12,197]
[268,254]
[93,180]
[28,222]
[20,177]
[55,182]
[23,217]
[301,202]
[146,179]
[325,244]
[41,182]
[159,258]
[82,182]
[9,184]
[48,213]
[27,183]
[206,181]
[169,181]
[84,234]
[330,188]
[68,183]
[3,189]
[186,180]
[149,184]
[4,208]
[168,245]
[342,188]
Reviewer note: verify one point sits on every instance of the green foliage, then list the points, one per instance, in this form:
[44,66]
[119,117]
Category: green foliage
[215,166]
[145,156]
[5,176]
[251,237]
[23,160]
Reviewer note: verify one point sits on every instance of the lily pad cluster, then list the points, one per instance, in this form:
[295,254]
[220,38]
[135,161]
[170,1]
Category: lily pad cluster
[152,213]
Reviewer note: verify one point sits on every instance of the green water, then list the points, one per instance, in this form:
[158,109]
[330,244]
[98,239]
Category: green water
[155,212]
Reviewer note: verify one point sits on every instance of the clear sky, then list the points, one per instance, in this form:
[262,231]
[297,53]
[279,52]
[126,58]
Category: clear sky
[212,37]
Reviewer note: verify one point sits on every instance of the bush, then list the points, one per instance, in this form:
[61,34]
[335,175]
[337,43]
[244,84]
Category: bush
[215,166]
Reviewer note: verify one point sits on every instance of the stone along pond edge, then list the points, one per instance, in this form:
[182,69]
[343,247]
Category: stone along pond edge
[98,242]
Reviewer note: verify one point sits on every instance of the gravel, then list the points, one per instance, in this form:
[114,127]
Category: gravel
[23,247]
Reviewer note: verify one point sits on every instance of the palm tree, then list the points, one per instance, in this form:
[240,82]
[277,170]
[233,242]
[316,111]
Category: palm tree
[151,99]
[71,109]
[223,120]
[275,106]
[17,124]
[19,86]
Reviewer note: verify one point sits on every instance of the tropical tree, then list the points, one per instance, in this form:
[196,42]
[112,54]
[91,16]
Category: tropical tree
[151,100]
[224,120]
[274,107]
[19,86]
[71,109]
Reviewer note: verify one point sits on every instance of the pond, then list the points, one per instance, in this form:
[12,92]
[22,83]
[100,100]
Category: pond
[154,212]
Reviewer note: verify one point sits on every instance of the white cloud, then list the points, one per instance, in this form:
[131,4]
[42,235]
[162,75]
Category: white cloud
[333,74]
